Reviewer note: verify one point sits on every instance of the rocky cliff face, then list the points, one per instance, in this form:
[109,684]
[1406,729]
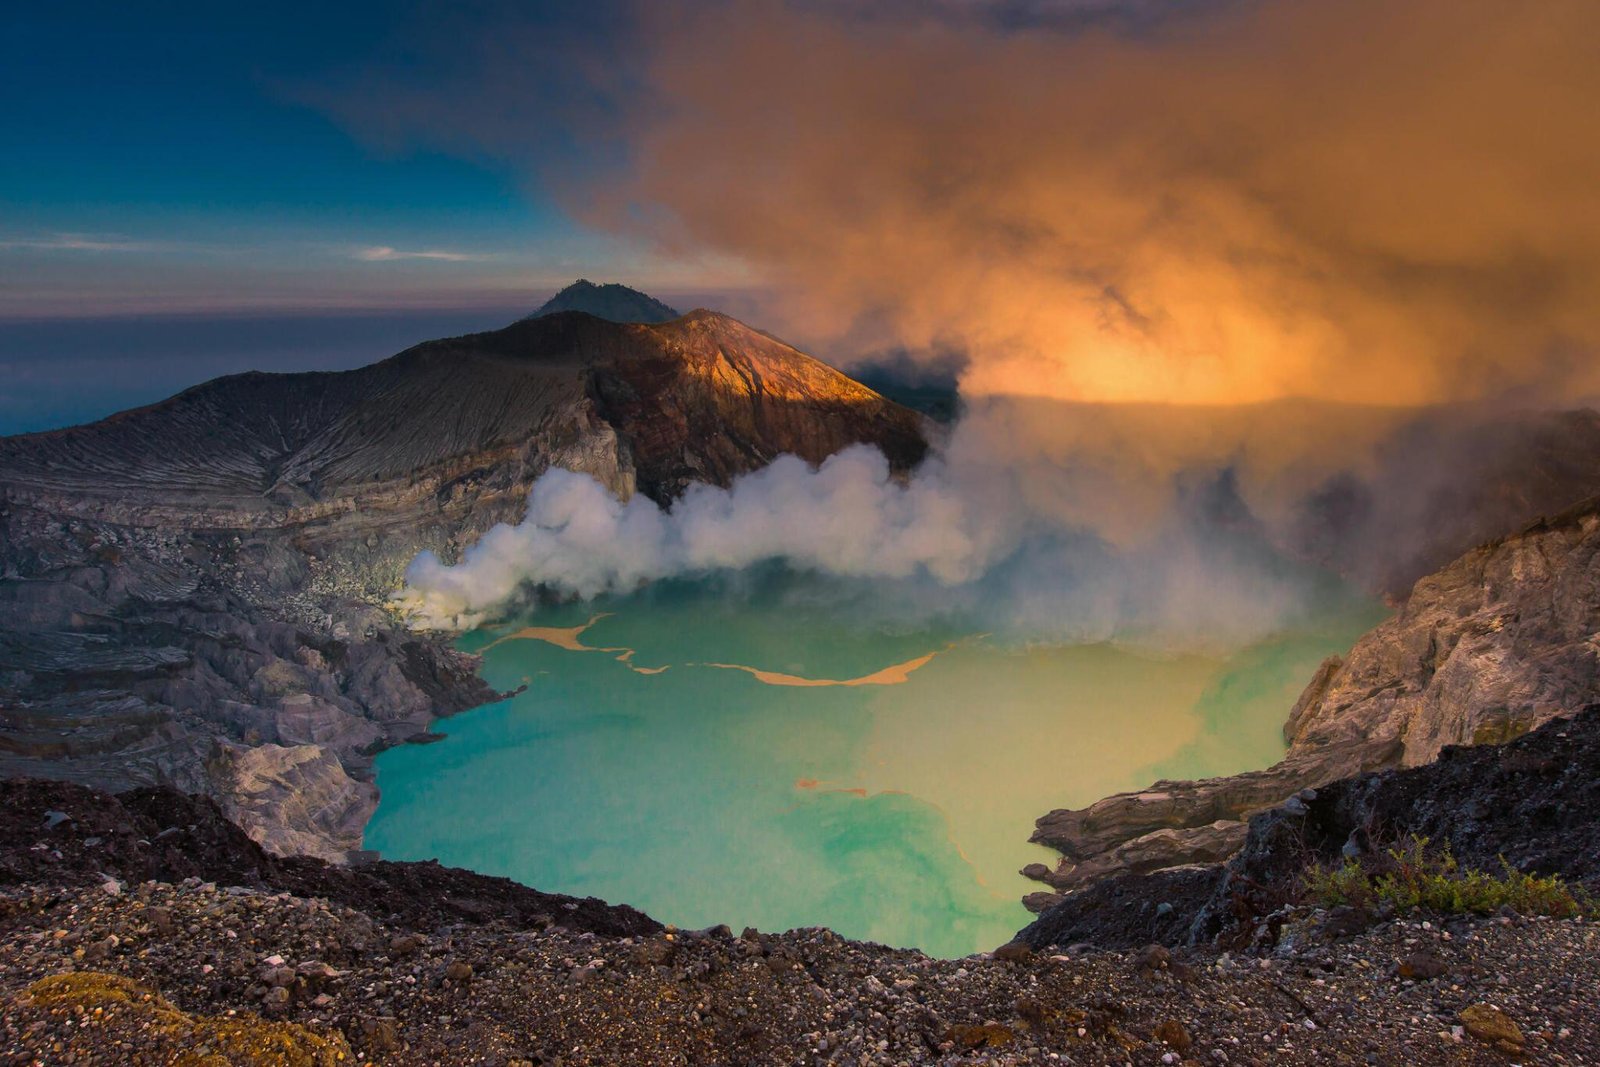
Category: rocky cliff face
[190,593]
[1529,803]
[1504,639]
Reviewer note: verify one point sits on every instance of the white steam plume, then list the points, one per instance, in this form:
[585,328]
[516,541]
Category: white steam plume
[847,517]
[1076,542]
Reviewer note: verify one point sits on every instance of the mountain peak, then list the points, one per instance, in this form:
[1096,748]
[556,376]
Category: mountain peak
[609,301]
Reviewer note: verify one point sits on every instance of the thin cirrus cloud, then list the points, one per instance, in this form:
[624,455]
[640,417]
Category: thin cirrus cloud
[385,254]
[94,242]
[80,242]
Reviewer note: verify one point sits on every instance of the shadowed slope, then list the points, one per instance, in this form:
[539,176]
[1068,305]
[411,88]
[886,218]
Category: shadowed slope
[702,397]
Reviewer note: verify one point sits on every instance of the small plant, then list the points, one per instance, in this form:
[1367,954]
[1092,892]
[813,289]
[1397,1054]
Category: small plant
[1413,877]
[1346,885]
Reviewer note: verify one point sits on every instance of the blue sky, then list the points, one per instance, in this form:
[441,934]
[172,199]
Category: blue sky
[166,158]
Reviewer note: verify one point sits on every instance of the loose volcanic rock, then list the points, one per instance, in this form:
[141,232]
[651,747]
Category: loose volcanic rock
[718,1001]
[1492,1026]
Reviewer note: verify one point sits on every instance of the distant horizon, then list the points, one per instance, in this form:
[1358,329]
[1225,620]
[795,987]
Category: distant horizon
[689,296]
[67,370]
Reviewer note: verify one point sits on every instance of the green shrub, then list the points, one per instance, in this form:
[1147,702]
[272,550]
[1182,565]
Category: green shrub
[1413,877]
[1347,884]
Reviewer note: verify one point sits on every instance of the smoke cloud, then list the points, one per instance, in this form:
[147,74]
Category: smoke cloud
[1371,201]
[1090,538]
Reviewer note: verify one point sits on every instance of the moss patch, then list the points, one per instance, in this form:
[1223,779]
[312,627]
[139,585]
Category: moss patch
[1500,729]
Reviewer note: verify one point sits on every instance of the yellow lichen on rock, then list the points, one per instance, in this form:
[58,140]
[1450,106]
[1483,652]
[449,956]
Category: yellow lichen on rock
[122,1006]
[1492,1026]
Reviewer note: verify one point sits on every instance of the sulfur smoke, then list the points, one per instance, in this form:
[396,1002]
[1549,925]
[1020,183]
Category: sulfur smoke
[1370,201]
[1029,524]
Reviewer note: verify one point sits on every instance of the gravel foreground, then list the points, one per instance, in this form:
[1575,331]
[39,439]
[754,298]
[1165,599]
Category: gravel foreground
[196,973]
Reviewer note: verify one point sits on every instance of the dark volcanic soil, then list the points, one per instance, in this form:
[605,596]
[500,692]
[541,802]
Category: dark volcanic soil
[59,834]
[183,942]
[492,993]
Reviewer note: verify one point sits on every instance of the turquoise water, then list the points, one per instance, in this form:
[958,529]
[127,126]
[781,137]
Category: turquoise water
[896,812]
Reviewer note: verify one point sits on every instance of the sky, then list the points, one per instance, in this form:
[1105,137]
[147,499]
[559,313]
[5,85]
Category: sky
[188,191]
[170,158]
[1173,201]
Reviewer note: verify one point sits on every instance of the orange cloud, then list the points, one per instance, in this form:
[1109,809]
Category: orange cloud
[1373,201]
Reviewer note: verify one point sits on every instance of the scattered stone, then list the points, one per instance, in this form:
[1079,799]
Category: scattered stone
[1175,1034]
[317,973]
[279,977]
[1032,1011]
[986,1035]
[1492,1026]
[652,952]
[1423,965]
[1014,952]
[406,944]
[1345,921]
[1041,902]
[1153,958]
[379,1035]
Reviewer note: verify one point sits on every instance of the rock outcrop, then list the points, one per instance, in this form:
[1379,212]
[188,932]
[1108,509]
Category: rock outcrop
[296,801]
[192,593]
[1495,644]
[1530,803]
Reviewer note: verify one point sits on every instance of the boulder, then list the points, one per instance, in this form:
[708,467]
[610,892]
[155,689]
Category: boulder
[296,800]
